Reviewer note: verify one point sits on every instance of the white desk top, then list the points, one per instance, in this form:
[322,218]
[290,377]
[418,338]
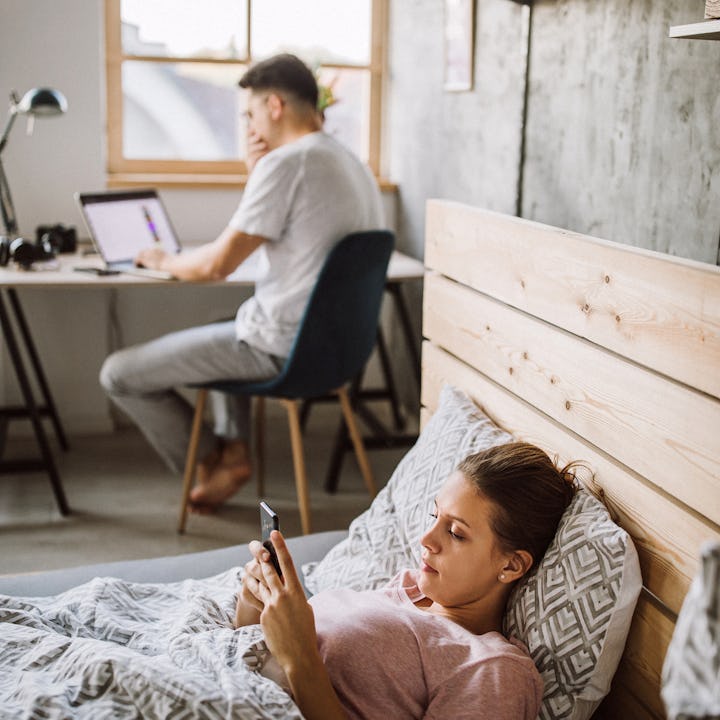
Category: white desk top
[59,273]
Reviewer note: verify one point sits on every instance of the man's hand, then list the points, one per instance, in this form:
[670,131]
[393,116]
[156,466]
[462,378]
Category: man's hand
[151,258]
[257,147]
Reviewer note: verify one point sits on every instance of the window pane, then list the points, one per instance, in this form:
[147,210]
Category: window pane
[185,28]
[319,31]
[182,111]
[348,119]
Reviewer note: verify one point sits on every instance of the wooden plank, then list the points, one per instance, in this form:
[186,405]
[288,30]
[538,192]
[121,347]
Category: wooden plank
[666,535]
[639,673]
[113,84]
[660,311]
[622,703]
[659,428]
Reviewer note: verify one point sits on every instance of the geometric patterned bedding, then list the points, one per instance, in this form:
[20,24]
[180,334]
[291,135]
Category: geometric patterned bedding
[691,670]
[112,648]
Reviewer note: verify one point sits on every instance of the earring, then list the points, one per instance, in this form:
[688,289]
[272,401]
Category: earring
[501,576]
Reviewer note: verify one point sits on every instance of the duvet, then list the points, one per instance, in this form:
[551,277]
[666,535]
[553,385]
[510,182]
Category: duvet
[111,648]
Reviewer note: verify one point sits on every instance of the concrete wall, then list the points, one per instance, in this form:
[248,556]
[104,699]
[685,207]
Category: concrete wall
[622,133]
[622,142]
[624,125]
[462,146]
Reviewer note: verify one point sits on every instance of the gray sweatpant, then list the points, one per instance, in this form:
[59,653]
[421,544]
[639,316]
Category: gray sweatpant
[142,379]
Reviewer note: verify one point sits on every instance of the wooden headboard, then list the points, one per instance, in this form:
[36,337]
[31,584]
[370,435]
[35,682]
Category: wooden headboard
[599,352]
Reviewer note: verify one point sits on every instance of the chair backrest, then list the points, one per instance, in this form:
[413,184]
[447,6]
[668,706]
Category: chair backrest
[339,326]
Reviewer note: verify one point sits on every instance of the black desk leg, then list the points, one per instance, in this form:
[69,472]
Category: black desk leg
[396,292]
[37,366]
[389,380]
[380,437]
[33,413]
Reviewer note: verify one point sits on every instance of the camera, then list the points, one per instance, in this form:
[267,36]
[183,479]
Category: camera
[62,239]
[24,252]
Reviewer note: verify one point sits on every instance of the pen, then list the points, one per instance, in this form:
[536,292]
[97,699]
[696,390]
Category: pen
[150,224]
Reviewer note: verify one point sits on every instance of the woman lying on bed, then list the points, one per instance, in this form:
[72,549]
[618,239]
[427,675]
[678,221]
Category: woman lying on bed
[430,643]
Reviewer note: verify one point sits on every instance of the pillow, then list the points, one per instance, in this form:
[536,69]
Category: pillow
[691,671]
[573,612]
[386,537]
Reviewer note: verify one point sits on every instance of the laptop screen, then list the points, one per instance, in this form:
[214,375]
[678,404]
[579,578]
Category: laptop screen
[123,223]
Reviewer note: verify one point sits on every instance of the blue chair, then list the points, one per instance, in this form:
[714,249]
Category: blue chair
[335,339]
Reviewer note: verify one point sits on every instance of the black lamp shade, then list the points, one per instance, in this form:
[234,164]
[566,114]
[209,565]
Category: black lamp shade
[42,101]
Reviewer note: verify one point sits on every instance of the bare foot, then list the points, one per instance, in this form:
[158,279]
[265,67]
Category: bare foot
[220,480]
[207,465]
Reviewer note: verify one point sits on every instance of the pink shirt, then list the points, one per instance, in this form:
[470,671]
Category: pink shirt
[389,660]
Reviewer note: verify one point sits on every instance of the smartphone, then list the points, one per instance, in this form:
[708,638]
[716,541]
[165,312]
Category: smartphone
[96,271]
[269,522]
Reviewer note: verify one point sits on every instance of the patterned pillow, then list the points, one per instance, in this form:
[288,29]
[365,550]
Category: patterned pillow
[574,611]
[691,672]
[386,537]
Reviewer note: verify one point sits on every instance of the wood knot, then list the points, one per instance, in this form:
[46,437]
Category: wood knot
[522,284]
[607,279]
[510,370]
[567,404]
[585,308]
[617,318]
[525,356]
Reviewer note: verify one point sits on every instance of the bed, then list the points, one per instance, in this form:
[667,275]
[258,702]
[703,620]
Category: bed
[593,351]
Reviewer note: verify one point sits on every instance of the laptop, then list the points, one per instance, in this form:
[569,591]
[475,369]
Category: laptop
[123,223]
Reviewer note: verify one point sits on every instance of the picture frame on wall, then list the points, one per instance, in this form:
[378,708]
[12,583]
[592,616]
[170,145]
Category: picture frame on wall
[459,25]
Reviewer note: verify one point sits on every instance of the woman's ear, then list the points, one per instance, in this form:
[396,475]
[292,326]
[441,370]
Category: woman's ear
[516,565]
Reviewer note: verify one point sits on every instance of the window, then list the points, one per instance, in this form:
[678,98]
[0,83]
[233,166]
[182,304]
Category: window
[174,109]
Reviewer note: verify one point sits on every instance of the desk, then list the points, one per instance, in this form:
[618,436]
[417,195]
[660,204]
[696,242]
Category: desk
[60,274]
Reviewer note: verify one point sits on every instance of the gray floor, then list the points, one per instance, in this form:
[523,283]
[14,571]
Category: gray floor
[124,502]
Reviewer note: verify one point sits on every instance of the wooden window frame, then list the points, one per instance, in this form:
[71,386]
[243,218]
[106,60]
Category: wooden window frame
[123,172]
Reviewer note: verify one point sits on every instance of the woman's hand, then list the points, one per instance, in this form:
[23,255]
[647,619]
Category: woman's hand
[288,624]
[286,616]
[248,607]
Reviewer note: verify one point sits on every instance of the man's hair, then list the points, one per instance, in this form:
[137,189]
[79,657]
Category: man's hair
[283,73]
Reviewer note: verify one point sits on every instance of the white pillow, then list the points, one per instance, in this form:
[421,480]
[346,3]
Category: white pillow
[386,537]
[691,671]
[574,611]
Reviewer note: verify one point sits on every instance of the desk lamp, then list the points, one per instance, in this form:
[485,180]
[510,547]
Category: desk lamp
[36,102]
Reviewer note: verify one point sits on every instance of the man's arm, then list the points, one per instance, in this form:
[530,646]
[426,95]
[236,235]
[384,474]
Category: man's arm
[213,261]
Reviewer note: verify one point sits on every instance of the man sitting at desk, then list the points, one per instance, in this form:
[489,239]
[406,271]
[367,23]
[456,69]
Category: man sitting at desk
[304,193]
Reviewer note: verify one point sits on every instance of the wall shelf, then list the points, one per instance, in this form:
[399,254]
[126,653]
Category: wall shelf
[707,30]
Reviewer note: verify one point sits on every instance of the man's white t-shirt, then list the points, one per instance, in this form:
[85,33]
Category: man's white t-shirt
[303,197]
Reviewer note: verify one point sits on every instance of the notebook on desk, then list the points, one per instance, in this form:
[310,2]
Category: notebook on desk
[123,223]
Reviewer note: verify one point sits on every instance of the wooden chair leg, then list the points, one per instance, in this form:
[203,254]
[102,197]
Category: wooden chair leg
[191,460]
[259,433]
[357,442]
[301,481]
